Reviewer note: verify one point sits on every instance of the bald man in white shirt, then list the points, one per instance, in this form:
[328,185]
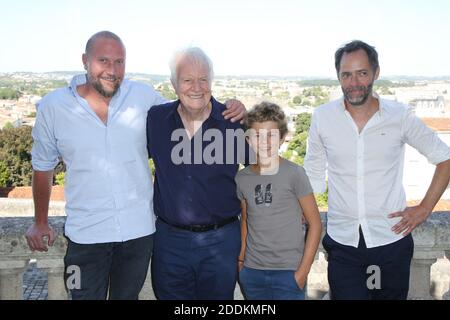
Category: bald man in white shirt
[359,140]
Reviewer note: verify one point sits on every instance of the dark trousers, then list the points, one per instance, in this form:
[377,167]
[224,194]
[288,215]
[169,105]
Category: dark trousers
[190,265]
[353,272]
[120,267]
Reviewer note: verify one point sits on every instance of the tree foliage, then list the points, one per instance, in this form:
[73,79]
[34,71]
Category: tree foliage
[296,150]
[5,176]
[297,100]
[59,178]
[315,96]
[8,125]
[318,82]
[167,91]
[9,94]
[302,122]
[15,154]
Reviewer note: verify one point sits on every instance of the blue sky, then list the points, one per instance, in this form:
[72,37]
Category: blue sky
[254,37]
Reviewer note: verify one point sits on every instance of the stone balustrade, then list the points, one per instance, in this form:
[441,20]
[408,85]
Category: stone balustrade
[431,239]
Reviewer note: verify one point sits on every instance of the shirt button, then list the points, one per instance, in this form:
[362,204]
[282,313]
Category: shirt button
[189,177]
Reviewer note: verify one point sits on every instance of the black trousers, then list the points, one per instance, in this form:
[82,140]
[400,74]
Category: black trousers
[379,273]
[120,267]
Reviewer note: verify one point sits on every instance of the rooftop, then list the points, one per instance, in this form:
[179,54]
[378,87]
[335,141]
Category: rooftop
[438,124]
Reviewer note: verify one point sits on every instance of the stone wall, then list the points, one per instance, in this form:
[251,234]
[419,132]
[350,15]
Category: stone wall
[25,208]
[430,270]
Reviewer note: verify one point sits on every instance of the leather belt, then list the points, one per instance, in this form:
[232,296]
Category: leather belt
[201,227]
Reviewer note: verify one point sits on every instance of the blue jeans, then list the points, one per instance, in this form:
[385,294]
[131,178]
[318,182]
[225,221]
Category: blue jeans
[190,265]
[270,285]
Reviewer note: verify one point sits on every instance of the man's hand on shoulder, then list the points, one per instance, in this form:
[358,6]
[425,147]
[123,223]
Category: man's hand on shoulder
[235,110]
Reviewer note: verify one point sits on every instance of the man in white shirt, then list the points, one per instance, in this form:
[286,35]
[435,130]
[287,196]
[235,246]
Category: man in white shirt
[97,125]
[360,141]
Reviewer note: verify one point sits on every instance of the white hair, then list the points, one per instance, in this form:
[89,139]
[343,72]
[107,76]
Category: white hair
[194,54]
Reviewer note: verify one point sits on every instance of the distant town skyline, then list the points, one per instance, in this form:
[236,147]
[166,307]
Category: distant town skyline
[261,38]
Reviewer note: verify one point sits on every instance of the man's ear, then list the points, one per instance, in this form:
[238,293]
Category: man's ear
[84,58]
[283,139]
[377,74]
[174,85]
[247,138]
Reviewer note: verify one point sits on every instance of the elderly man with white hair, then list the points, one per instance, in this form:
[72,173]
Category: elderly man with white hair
[197,239]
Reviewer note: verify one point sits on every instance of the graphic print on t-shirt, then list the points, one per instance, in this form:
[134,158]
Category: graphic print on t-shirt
[263,196]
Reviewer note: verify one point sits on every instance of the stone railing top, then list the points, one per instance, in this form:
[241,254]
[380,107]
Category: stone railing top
[432,234]
[13,244]
[25,208]
[435,232]
[431,238]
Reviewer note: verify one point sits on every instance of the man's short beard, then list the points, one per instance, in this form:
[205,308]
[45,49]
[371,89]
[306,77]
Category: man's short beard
[100,89]
[98,86]
[367,92]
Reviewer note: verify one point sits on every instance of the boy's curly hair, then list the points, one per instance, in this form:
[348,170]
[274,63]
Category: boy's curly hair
[267,111]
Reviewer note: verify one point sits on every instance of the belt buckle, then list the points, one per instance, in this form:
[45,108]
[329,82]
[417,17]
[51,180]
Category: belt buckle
[199,228]
[208,227]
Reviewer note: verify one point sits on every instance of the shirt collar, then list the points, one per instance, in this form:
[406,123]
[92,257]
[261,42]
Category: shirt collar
[77,80]
[381,103]
[216,111]
[80,79]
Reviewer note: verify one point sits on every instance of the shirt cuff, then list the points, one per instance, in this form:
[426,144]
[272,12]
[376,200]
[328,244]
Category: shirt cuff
[43,165]
[439,157]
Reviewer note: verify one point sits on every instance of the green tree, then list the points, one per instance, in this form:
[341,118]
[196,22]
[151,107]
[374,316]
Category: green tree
[322,199]
[9,94]
[318,82]
[307,102]
[315,96]
[296,150]
[59,174]
[167,91]
[384,90]
[302,122]
[151,164]
[298,144]
[297,100]
[15,153]
[8,125]
[4,175]
[59,178]
[293,156]
[282,95]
